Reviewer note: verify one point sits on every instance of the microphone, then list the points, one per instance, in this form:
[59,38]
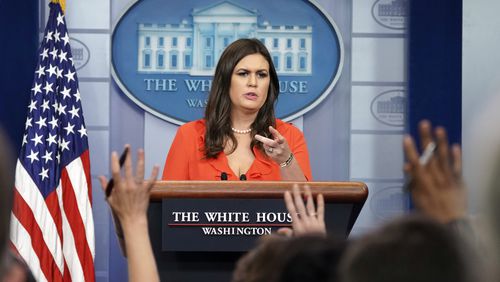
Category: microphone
[223,176]
[243,177]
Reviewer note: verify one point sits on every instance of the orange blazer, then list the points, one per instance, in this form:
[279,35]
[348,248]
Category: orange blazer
[186,161]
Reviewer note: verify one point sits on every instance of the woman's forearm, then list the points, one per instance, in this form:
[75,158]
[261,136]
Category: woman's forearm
[141,261]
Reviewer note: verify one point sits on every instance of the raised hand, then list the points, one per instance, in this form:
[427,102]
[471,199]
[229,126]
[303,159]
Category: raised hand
[436,187]
[306,218]
[130,197]
[129,202]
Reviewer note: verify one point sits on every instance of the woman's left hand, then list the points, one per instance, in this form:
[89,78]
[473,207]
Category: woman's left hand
[277,148]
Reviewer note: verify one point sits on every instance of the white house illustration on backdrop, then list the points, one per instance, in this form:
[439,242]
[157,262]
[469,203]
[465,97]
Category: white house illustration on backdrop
[195,47]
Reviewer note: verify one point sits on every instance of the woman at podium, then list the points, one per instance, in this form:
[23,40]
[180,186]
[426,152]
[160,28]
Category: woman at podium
[240,138]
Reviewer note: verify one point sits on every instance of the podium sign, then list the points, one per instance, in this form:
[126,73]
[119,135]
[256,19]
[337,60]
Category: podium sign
[233,225]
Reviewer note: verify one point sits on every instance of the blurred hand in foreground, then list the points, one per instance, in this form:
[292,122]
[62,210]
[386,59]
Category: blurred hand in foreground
[436,187]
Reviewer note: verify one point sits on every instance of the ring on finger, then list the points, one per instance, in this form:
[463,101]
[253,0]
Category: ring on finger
[270,150]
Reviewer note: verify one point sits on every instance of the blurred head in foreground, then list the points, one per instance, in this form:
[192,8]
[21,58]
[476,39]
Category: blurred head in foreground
[277,258]
[7,166]
[411,249]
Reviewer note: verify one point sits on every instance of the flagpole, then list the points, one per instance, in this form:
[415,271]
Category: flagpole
[61,3]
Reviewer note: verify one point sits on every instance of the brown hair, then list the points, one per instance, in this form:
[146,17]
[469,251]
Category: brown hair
[218,110]
[411,249]
[262,263]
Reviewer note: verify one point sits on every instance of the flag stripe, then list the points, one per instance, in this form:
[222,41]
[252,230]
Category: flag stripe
[24,248]
[26,218]
[85,158]
[72,262]
[76,224]
[52,203]
[37,208]
[77,174]
[67,273]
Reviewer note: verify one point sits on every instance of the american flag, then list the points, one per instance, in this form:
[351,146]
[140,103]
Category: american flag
[52,226]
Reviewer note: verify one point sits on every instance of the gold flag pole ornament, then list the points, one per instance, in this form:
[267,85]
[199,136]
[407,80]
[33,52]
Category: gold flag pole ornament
[61,3]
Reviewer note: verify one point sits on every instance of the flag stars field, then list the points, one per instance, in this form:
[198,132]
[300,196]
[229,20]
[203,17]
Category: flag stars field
[48,87]
[65,92]
[69,129]
[51,139]
[48,36]
[65,38]
[32,107]
[62,56]
[44,173]
[70,76]
[53,53]
[41,122]
[48,156]
[74,112]
[44,54]
[77,95]
[60,19]
[59,73]
[82,131]
[40,71]
[54,122]
[45,105]
[56,36]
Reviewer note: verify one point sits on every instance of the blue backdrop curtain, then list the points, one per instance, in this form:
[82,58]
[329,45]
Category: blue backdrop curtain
[19,42]
[435,65]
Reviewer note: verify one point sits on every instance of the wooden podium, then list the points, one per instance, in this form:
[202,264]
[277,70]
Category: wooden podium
[181,212]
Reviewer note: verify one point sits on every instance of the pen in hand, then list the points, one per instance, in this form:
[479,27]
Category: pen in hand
[111,183]
[423,160]
[427,154]
[109,189]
